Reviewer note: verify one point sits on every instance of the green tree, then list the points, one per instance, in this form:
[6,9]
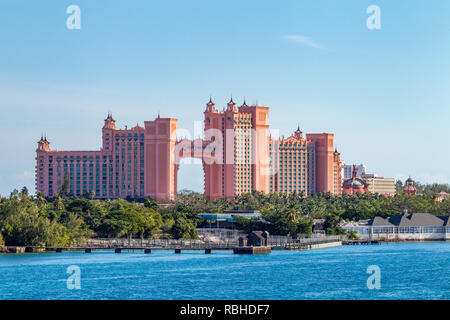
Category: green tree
[352,235]
[150,203]
[40,199]
[24,191]
[29,229]
[58,203]
[331,225]
[184,229]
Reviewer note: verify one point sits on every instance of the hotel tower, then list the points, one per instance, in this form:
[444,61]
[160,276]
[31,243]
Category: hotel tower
[237,153]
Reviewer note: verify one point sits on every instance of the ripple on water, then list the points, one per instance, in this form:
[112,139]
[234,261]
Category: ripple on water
[408,271]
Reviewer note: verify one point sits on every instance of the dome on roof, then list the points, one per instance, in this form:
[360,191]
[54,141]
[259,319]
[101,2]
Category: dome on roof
[355,185]
[353,182]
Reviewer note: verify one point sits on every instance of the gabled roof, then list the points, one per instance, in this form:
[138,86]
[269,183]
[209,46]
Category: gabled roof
[426,219]
[446,220]
[258,234]
[410,220]
[380,222]
[402,221]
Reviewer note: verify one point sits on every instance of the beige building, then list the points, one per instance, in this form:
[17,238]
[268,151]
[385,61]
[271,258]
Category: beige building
[381,185]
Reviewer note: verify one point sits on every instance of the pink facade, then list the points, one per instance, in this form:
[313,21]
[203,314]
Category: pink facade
[409,188]
[115,171]
[293,165]
[237,154]
[355,185]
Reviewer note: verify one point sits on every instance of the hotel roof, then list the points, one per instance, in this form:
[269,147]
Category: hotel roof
[410,220]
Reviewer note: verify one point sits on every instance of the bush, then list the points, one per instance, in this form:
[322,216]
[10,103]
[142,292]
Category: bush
[352,235]
[184,229]
[2,242]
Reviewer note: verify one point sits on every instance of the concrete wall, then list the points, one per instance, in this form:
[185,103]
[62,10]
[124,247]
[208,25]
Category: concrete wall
[408,236]
[325,245]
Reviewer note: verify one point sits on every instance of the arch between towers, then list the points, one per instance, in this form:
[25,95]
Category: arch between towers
[207,153]
[162,159]
[163,153]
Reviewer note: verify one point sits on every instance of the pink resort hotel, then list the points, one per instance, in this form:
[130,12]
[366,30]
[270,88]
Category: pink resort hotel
[237,153]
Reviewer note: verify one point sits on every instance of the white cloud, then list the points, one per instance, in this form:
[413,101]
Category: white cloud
[307,41]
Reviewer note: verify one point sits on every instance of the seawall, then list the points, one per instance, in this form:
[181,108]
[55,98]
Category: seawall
[322,245]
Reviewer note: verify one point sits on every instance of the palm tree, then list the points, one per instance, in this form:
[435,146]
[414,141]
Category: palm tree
[58,202]
[40,199]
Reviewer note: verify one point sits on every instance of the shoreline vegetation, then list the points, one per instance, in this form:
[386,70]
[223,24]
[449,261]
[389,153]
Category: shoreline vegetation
[27,220]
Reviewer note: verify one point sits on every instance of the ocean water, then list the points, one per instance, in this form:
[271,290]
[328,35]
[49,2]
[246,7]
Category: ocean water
[407,271]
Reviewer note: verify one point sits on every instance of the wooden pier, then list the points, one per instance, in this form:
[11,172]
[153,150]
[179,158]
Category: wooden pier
[252,250]
[149,246]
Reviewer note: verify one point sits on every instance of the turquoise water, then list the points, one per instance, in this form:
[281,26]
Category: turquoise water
[408,271]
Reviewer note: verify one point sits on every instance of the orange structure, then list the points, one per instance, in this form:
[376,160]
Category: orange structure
[293,164]
[355,185]
[337,173]
[305,165]
[441,196]
[236,151]
[328,163]
[409,187]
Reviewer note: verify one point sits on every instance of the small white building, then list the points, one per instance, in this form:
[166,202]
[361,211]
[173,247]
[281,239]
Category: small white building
[408,226]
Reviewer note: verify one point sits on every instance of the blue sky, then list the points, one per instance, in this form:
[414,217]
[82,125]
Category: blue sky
[384,93]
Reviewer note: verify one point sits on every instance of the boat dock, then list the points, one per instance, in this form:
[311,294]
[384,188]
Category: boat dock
[177,246]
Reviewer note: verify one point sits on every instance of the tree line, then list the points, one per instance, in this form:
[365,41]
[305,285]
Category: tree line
[35,220]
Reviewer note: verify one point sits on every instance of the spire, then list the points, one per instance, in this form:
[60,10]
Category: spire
[43,144]
[110,123]
[109,117]
[298,133]
[210,105]
[244,104]
[231,105]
